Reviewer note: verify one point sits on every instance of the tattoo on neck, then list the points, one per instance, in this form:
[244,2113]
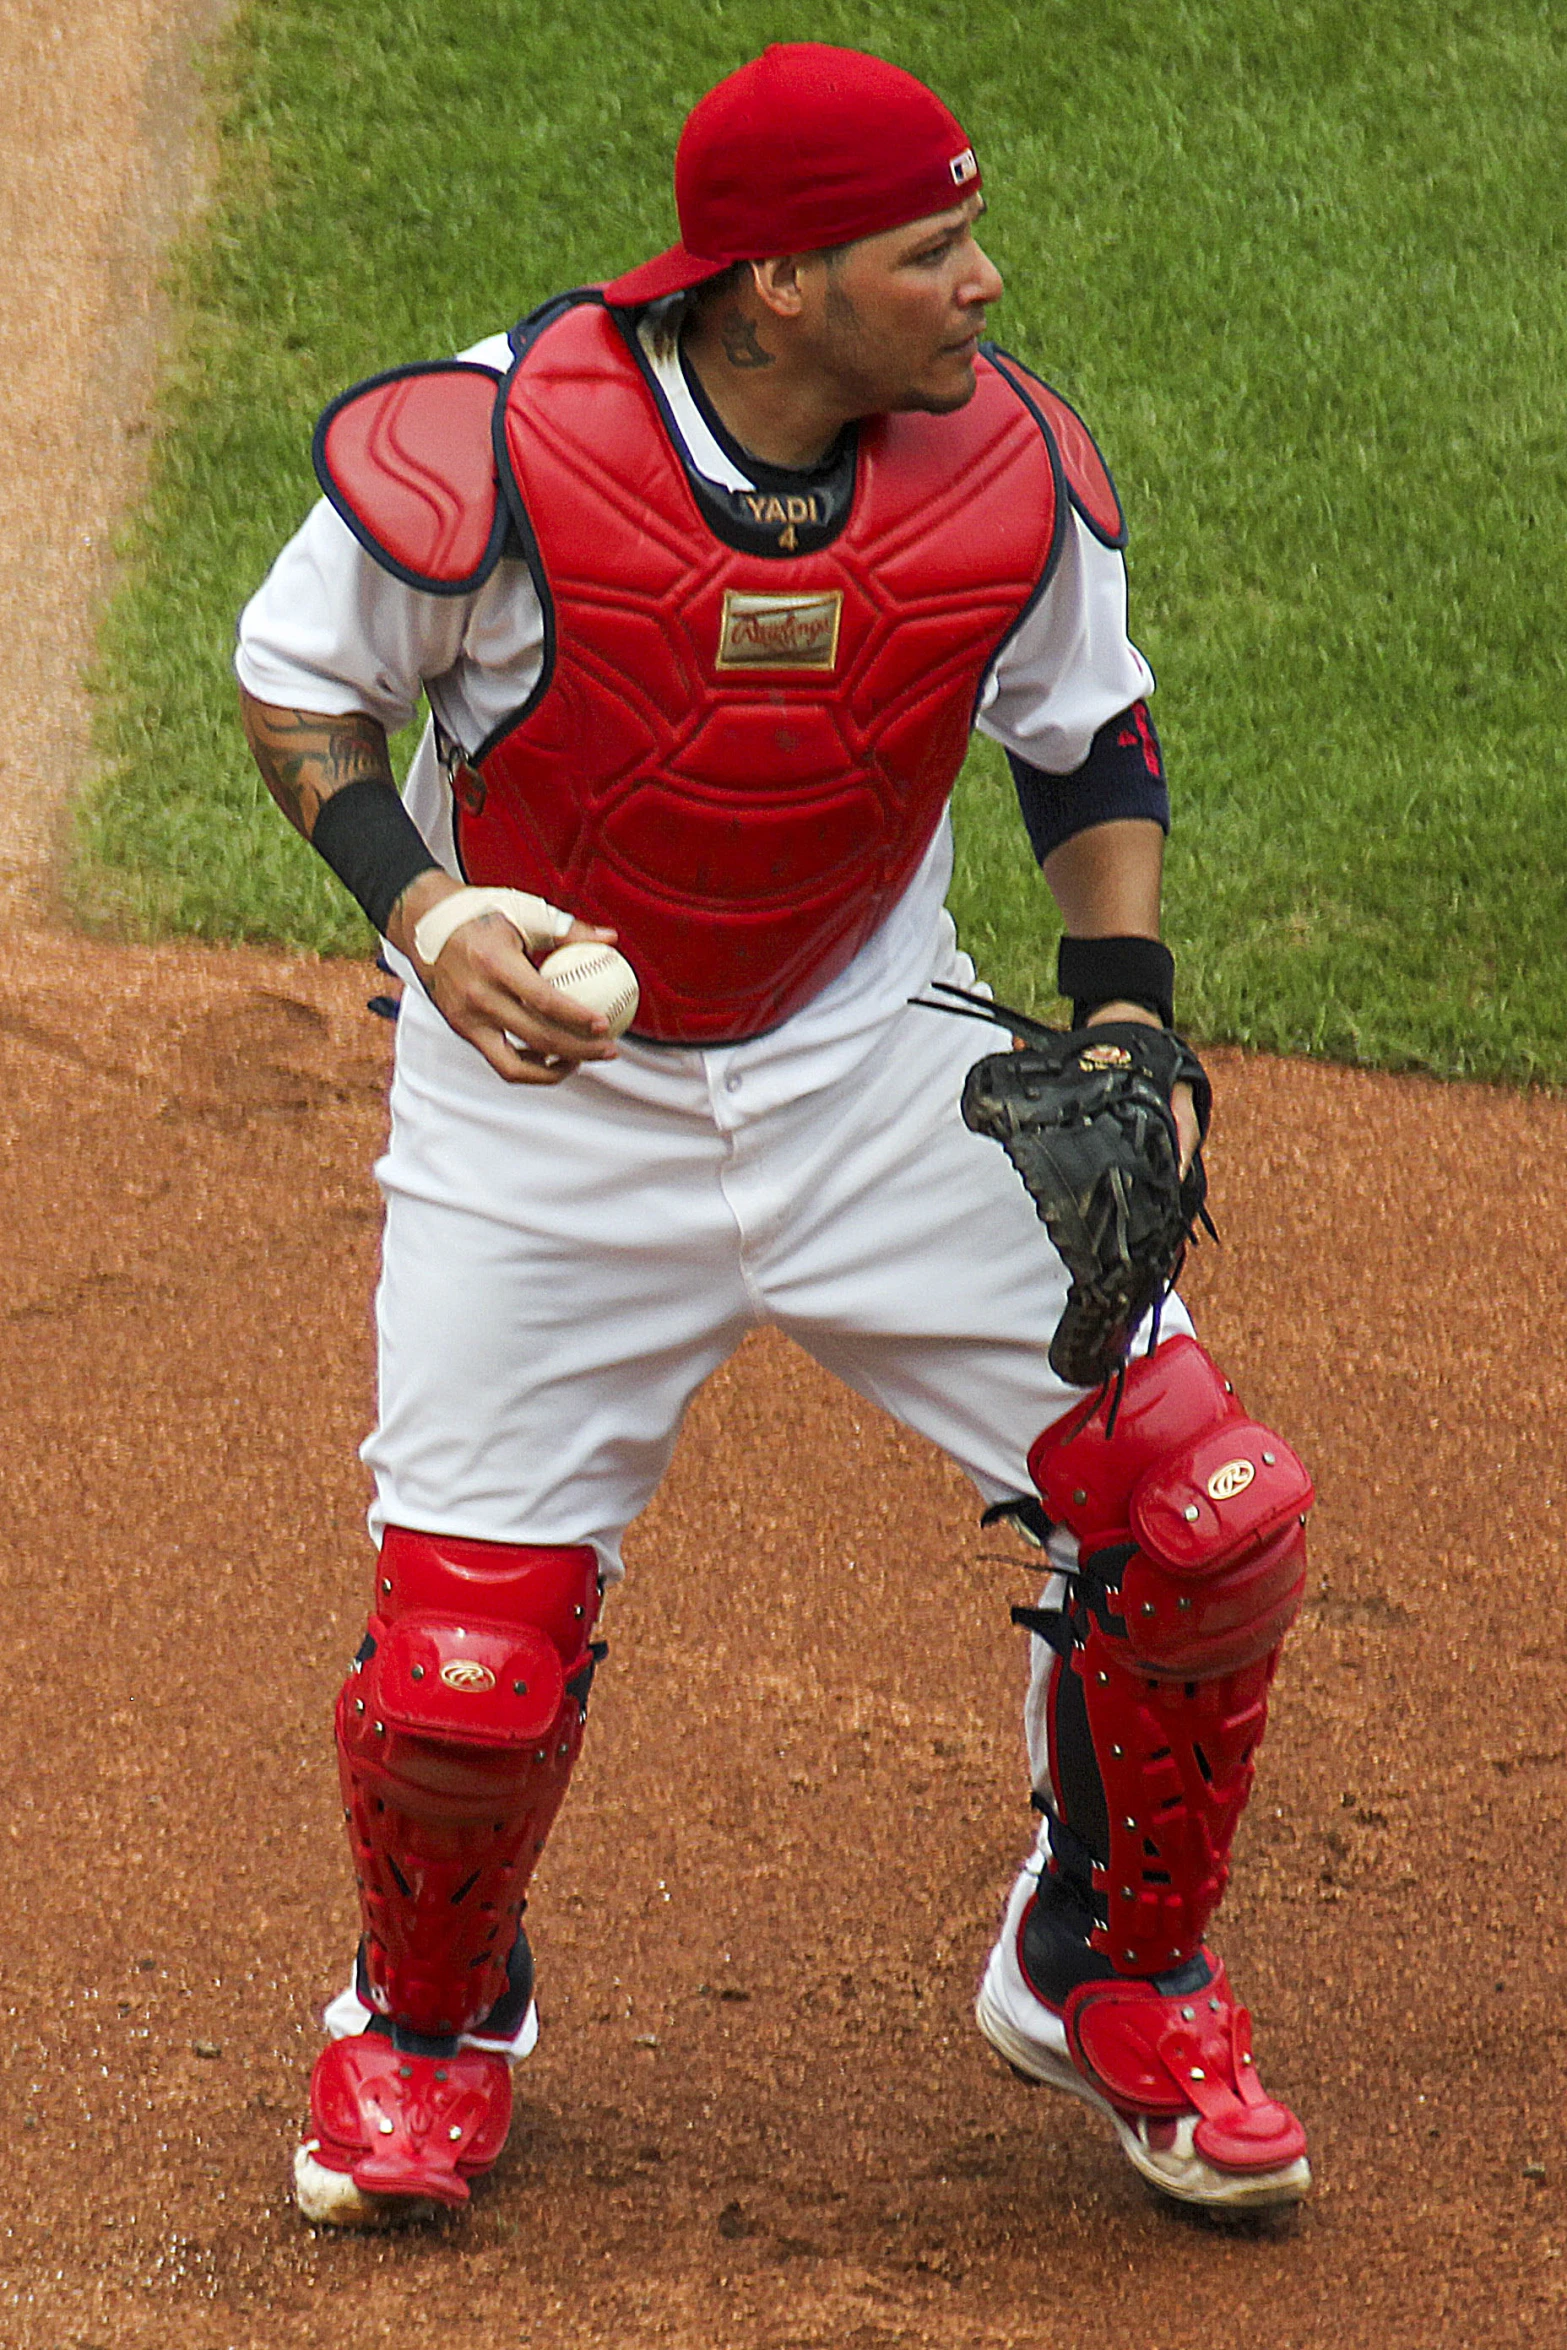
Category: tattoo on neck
[741,347]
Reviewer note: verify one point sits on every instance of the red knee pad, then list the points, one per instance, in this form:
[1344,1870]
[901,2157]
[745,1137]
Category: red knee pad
[1209,1506]
[1190,1520]
[457,1730]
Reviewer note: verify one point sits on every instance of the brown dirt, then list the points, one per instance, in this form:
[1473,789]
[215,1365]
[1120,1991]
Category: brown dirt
[803,1793]
[759,2115]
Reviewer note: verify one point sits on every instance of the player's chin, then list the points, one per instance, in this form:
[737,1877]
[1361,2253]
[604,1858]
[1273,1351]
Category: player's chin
[949,386]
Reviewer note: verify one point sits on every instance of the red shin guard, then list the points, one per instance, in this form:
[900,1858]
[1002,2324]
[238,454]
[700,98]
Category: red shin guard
[457,1730]
[1189,1520]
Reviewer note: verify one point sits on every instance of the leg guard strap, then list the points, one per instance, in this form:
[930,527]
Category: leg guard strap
[457,1730]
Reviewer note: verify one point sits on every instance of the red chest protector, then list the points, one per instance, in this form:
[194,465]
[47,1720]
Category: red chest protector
[736,754]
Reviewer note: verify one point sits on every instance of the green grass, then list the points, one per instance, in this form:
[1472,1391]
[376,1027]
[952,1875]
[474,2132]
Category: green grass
[1303,268]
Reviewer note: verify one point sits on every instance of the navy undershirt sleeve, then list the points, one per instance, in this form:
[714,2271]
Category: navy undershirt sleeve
[1123,775]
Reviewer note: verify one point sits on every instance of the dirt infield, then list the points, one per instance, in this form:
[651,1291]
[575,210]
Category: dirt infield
[759,2116]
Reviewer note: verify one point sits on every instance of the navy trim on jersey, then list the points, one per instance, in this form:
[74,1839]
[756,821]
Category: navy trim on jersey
[499,529]
[722,510]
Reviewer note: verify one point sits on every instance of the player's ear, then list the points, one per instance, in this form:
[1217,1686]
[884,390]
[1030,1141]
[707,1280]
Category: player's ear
[777,284]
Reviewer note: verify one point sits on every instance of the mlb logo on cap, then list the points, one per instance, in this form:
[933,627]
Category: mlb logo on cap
[963,168]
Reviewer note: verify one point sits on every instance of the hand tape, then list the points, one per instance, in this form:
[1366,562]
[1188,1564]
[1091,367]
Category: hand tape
[538,923]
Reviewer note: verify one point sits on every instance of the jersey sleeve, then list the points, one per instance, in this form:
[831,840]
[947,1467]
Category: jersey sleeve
[330,630]
[1070,666]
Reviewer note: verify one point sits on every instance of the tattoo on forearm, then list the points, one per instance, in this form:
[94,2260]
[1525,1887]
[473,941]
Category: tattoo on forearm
[304,758]
[741,347]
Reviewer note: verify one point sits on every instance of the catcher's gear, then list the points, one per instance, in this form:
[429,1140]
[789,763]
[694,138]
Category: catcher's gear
[457,1730]
[1189,1518]
[1084,1115]
[1168,2063]
[393,2131]
[625,786]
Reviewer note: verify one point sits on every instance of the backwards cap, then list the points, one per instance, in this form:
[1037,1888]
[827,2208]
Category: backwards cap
[807,146]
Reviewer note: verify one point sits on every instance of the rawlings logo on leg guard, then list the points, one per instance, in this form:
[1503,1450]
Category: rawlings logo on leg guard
[465,1673]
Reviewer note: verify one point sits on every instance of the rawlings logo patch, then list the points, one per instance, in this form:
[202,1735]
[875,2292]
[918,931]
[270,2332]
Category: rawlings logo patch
[780,632]
[1104,1056]
[468,1675]
[1233,1478]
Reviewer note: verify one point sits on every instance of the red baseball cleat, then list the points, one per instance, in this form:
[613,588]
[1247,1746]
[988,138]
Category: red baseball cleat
[1171,2070]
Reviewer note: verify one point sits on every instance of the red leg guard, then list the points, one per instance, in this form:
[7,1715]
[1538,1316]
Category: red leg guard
[457,1730]
[1189,1519]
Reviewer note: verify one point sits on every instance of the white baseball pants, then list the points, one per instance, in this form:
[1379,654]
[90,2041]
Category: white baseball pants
[563,1267]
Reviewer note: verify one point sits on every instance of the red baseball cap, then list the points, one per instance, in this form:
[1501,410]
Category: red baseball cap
[805,147]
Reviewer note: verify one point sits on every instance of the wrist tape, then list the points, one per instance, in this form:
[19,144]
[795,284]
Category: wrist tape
[367,837]
[538,923]
[1095,971]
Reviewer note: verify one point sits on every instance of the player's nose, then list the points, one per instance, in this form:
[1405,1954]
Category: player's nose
[988,281]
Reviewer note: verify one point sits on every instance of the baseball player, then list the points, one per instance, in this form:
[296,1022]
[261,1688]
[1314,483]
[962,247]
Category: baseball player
[707,574]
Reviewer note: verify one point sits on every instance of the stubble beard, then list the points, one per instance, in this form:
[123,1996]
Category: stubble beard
[937,403]
[852,353]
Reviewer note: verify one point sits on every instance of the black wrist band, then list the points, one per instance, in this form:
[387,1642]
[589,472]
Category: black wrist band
[1095,971]
[372,844]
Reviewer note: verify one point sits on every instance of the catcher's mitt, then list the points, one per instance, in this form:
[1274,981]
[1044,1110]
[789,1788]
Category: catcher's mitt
[1085,1119]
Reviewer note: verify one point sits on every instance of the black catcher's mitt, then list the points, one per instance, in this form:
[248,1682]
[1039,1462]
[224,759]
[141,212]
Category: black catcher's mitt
[1085,1119]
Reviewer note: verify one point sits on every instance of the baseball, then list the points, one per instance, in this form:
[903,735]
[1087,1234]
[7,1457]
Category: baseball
[597,976]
